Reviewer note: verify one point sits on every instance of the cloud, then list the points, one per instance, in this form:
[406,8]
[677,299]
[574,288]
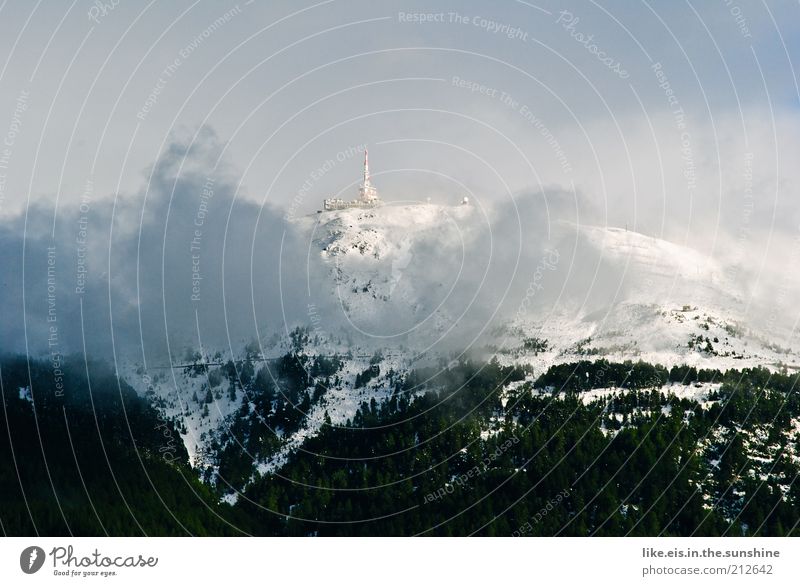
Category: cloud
[181,256]
[191,260]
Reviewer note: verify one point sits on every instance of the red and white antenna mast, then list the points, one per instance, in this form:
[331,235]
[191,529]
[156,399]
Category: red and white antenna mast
[367,191]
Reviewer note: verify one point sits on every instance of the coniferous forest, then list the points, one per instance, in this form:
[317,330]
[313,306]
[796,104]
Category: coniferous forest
[474,448]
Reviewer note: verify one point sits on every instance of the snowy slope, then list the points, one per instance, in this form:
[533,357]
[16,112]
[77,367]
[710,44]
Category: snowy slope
[655,269]
[391,269]
[615,293]
[387,278]
[646,299]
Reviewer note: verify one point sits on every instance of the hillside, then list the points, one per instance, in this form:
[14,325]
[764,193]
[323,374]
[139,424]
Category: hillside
[383,310]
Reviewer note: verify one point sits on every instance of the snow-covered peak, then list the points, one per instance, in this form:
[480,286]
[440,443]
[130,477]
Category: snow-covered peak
[380,231]
[660,256]
[657,270]
[385,271]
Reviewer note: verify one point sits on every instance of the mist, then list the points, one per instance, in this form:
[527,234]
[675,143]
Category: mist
[192,261]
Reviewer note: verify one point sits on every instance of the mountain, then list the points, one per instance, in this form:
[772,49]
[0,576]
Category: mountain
[652,300]
[396,290]
[448,380]
[391,269]
[408,273]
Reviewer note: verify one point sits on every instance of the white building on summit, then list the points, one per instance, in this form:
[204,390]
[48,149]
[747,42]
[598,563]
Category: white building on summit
[367,194]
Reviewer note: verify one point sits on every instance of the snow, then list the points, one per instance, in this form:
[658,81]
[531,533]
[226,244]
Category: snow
[374,268]
[663,268]
[698,392]
[25,394]
[669,295]
[672,297]
[174,391]
[340,402]
[231,498]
